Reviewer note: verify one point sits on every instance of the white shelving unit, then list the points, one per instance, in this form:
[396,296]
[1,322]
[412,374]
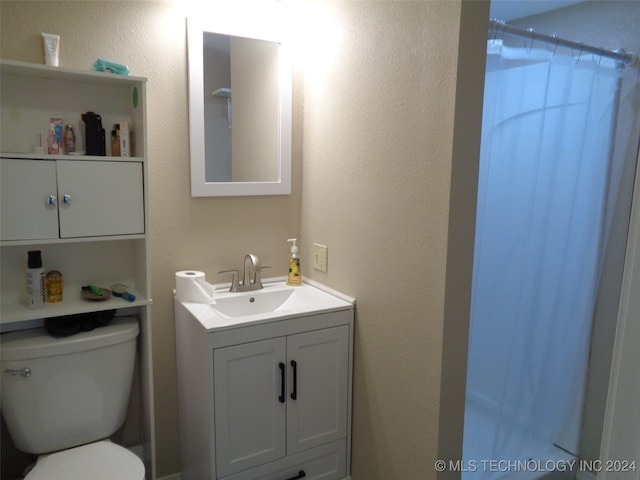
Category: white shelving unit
[88,215]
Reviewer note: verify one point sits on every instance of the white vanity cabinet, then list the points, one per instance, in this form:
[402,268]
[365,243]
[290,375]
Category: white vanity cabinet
[270,401]
[86,214]
[47,199]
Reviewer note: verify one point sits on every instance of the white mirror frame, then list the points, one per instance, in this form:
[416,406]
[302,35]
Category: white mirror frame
[199,186]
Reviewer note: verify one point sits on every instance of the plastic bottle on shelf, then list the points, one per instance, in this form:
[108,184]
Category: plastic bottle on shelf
[36,289]
[55,283]
[69,140]
[52,142]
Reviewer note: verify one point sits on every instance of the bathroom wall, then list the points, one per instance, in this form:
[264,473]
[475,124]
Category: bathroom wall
[386,176]
[380,156]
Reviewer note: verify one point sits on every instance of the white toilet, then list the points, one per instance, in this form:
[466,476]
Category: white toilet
[62,398]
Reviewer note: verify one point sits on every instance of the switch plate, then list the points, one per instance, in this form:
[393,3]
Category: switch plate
[320,257]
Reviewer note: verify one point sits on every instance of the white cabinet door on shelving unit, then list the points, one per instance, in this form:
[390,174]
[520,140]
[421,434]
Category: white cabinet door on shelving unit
[28,197]
[99,198]
[48,199]
[319,383]
[249,396]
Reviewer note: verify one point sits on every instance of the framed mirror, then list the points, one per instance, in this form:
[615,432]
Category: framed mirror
[239,111]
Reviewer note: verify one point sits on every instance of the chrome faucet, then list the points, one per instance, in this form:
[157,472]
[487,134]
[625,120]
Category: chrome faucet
[249,282]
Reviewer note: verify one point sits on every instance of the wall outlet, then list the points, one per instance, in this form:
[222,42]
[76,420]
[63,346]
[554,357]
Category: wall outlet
[320,257]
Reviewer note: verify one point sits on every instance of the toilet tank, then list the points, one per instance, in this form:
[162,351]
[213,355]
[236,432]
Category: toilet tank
[78,388]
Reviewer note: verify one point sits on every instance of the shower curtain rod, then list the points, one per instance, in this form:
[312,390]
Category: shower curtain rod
[499,27]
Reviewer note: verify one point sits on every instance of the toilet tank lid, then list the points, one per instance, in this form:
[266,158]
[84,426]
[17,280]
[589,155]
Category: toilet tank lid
[37,343]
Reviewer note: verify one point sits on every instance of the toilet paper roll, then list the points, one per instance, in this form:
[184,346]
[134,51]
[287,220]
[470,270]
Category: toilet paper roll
[191,286]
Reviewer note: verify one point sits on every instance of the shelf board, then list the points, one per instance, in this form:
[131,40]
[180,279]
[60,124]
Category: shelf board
[60,73]
[18,312]
[44,156]
[59,241]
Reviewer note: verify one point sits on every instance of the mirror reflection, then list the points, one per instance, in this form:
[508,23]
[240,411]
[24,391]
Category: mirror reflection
[240,79]
[241,108]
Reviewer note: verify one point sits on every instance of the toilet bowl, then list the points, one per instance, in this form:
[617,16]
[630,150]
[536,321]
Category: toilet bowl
[96,461]
[62,398]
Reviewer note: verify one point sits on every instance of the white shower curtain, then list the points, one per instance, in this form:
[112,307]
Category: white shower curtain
[547,188]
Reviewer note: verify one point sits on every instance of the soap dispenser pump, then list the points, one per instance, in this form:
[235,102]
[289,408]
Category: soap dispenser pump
[294,278]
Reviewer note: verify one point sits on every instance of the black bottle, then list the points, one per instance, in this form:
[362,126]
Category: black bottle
[36,292]
[94,134]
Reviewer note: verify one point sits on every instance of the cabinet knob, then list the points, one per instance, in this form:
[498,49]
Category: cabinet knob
[52,200]
[66,199]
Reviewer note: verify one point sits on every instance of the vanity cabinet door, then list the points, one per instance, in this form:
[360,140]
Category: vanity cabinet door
[250,408]
[100,198]
[28,199]
[318,400]
[277,398]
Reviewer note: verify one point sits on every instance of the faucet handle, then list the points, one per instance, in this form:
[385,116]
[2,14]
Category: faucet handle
[234,280]
[258,280]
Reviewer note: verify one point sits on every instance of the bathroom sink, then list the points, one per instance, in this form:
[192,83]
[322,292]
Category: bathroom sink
[251,303]
[276,300]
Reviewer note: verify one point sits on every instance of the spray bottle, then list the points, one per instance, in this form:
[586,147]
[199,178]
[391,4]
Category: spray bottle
[295,277]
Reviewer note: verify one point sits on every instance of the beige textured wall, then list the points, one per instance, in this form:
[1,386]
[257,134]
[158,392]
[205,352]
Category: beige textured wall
[377,154]
[380,150]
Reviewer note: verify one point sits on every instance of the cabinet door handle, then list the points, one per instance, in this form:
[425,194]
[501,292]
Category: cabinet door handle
[282,375]
[300,474]
[66,198]
[294,393]
[52,200]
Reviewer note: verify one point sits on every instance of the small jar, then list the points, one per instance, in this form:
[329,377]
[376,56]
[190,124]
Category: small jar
[55,284]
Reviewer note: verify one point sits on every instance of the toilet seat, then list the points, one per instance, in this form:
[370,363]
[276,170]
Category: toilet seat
[98,461]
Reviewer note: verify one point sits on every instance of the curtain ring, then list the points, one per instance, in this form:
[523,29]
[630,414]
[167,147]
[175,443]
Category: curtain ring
[555,46]
[502,24]
[593,57]
[579,53]
[494,31]
[533,37]
[620,63]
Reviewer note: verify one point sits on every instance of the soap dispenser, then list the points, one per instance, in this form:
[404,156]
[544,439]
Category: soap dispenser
[294,278]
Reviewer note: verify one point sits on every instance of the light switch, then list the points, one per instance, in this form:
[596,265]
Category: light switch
[320,257]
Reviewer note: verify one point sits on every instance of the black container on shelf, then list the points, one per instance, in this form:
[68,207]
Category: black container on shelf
[94,134]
